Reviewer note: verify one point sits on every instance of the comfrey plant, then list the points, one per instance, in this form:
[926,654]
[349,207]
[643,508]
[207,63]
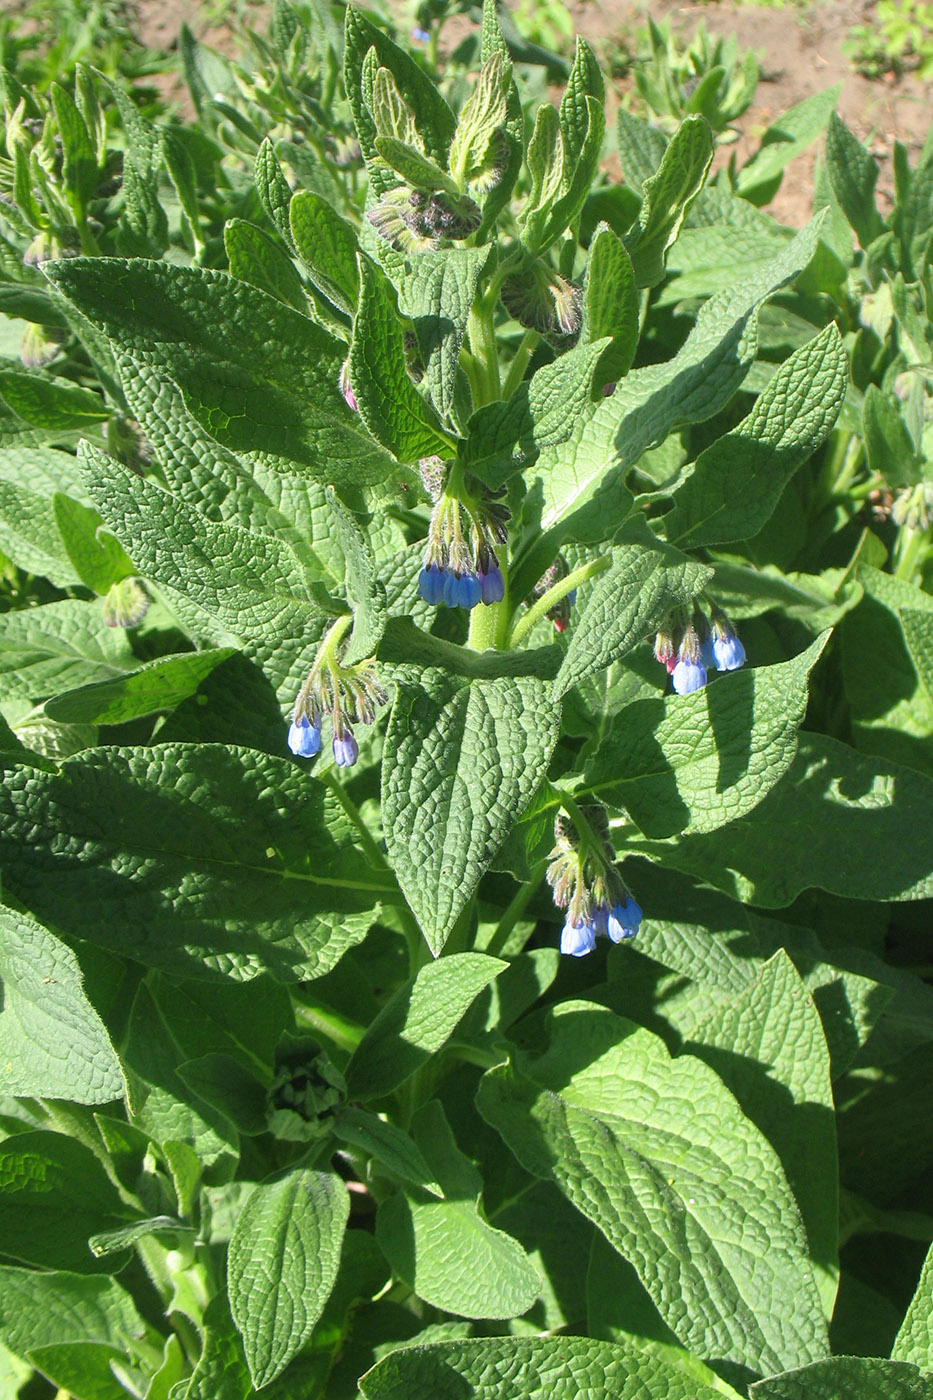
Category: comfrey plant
[421,973]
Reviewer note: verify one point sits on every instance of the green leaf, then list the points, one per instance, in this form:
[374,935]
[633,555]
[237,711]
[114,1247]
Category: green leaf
[693,763]
[545,161]
[80,172]
[364,590]
[116,1241]
[81,1369]
[388,1145]
[99,560]
[416,1022]
[610,302]
[30,536]
[585,81]
[434,120]
[59,646]
[46,402]
[847,1378]
[891,706]
[784,140]
[888,444]
[252,586]
[249,396]
[481,117]
[389,404]
[527,1368]
[576,179]
[737,481]
[256,258]
[767,1046]
[580,480]
[54,1194]
[221,1372]
[202,858]
[143,227]
[543,412]
[810,831]
[159,685]
[272,187]
[327,245]
[914,1341]
[437,292]
[55,1045]
[643,583]
[453,1259]
[918,634]
[462,761]
[41,1309]
[641,147]
[282,1263]
[667,197]
[658,1155]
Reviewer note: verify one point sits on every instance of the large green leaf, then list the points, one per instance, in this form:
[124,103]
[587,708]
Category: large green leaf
[767,1045]
[327,246]
[30,535]
[255,588]
[462,760]
[657,1153]
[389,404]
[527,1368]
[914,1341]
[579,482]
[282,1263]
[667,195]
[59,646]
[643,583]
[200,858]
[249,395]
[159,685]
[47,402]
[38,1309]
[54,1194]
[847,1378]
[437,292]
[737,480]
[54,1043]
[853,174]
[785,139]
[693,763]
[812,829]
[416,1021]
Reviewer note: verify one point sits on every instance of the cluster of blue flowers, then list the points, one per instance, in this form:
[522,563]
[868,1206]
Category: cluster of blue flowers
[461,568]
[438,585]
[586,883]
[690,650]
[619,922]
[348,694]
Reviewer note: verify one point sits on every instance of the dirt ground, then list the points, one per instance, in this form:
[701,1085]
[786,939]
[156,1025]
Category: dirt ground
[800,49]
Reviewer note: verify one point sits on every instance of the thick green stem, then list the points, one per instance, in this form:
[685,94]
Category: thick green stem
[485,351]
[322,1020]
[513,913]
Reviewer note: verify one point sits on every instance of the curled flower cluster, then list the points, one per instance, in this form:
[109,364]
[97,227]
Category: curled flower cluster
[461,567]
[690,649]
[414,220]
[586,883]
[347,694]
[542,300]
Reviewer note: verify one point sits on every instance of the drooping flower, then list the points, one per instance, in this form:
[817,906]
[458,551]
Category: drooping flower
[623,920]
[577,939]
[728,653]
[304,738]
[688,676]
[346,749]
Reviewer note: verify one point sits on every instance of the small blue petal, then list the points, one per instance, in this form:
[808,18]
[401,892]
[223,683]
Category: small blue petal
[420,36]
[571,597]
[431,584]
[708,654]
[304,738]
[470,591]
[451,593]
[624,920]
[688,676]
[492,585]
[577,939]
[729,653]
[346,750]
